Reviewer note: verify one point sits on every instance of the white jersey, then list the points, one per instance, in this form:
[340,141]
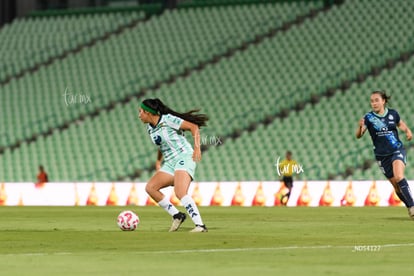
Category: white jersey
[169,138]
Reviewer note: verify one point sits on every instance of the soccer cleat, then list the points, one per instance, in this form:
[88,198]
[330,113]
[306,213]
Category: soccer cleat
[199,229]
[411,212]
[178,219]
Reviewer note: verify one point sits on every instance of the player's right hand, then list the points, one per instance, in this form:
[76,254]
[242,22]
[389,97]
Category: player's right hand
[361,122]
[157,165]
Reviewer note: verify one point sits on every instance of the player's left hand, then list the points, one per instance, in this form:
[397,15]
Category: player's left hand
[197,154]
[409,135]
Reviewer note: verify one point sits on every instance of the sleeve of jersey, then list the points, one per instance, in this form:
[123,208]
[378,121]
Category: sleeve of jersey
[173,121]
[397,117]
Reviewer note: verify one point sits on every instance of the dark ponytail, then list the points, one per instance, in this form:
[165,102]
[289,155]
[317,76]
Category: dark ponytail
[190,116]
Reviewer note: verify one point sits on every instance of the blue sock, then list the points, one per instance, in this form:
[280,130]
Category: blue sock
[405,191]
[402,198]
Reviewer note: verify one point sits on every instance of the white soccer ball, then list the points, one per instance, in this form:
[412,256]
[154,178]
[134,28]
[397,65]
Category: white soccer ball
[128,221]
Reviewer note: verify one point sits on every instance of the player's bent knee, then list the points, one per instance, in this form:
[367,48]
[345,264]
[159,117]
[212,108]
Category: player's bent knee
[398,178]
[149,188]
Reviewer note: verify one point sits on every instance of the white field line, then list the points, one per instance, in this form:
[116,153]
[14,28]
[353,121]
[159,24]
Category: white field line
[224,250]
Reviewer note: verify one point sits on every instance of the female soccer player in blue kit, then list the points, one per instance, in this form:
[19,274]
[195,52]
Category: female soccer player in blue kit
[389,151]
[165,127]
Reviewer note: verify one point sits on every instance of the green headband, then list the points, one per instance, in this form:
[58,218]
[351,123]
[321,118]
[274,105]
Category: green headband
[149,109]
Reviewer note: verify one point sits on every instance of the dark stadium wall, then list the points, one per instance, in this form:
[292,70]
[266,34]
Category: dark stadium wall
[7,11]
[25,7]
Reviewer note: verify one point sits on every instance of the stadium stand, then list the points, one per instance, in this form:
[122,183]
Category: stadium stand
[262,98]
[30,41]
[106,72]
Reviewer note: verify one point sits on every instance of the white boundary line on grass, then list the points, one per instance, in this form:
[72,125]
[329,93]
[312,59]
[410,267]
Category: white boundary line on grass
[223,250]
[249,249]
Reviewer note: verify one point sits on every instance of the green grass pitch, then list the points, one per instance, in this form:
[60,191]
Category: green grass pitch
[240,241]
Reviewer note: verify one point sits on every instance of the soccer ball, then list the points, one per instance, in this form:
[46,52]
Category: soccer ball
[128,221]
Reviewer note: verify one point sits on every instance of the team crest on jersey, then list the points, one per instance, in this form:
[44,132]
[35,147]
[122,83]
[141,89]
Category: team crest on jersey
[157,140]
[391,119]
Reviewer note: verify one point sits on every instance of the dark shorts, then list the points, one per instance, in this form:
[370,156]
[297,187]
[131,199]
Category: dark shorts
[385,162]
[288,180]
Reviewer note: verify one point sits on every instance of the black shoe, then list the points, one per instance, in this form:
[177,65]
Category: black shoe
[178,219]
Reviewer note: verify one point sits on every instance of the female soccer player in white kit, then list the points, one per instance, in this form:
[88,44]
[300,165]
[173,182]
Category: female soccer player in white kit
[165,127]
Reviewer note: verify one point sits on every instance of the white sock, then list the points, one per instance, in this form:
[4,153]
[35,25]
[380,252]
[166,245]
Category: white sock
[167,206]
[191,208]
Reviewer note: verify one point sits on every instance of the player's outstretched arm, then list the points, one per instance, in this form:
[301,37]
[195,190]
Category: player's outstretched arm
[403,126]
[361,128]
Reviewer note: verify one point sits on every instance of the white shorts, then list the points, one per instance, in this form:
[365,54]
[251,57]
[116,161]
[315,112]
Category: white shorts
[181,162]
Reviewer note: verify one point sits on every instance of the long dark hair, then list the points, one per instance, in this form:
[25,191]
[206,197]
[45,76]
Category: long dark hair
[191,116]
[383,95]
